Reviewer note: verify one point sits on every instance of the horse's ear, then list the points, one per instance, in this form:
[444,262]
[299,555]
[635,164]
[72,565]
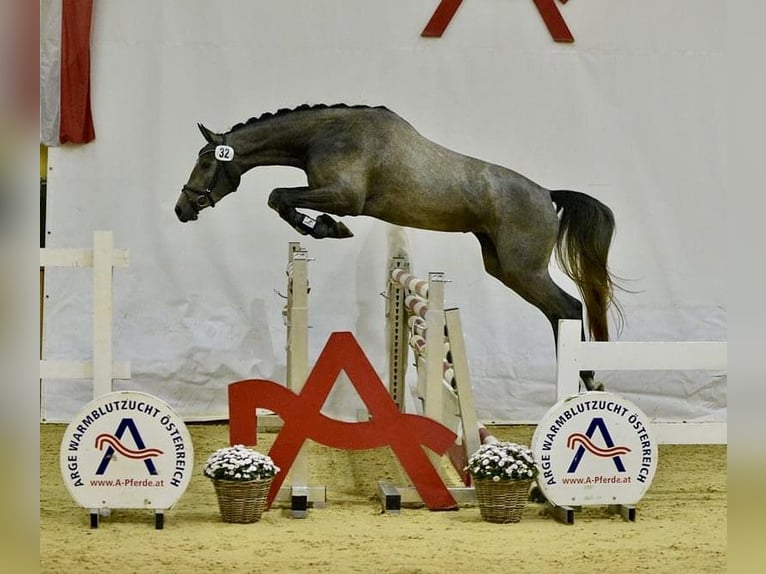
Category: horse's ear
[206,133]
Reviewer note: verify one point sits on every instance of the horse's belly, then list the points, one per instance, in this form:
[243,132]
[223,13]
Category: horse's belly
[434,214]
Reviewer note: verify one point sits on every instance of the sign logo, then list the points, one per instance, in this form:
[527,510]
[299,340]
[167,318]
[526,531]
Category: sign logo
[115,445]
[406,434]
[126,450]
[594,448]
[585,443]
[548,10]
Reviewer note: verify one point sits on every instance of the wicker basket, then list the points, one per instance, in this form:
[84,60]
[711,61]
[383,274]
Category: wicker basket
[502,501]
[242,501]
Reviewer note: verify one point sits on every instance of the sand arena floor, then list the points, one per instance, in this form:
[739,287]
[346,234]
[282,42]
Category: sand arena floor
[681,524]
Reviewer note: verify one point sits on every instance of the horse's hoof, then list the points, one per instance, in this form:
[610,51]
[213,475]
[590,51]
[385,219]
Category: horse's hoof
[326,226]
[536,495]
[591,385]
[343,231]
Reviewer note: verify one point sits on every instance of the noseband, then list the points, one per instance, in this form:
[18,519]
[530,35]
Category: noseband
[199,198]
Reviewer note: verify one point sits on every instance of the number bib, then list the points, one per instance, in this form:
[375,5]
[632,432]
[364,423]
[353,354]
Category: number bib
[224,153]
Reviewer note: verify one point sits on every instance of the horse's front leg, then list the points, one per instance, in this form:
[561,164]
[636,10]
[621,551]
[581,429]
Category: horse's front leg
[285,200]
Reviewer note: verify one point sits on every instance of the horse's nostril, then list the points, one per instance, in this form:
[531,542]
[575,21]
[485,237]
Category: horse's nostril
[180,214]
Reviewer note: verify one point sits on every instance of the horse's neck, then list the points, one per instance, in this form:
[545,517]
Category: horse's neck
[272,142]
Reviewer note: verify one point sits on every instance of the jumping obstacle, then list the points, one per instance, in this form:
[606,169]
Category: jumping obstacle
[103,258]
[299,405]
[299,494]
[417,320]
[574,355]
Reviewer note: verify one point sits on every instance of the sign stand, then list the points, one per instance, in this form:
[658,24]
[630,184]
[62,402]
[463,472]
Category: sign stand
[159,518]
[566,514]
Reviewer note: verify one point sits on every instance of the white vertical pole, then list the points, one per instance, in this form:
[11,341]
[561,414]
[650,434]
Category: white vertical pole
[434,347]
[466,404]
[102,312]
[297,343]
[434,359]
[396,330]
[567,365]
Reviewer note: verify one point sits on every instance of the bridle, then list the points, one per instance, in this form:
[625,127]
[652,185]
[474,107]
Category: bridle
[200,198]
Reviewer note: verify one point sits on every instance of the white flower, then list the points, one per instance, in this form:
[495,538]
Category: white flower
[239,463]
[502,460]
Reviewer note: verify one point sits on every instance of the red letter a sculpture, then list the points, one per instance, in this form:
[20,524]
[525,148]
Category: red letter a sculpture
[406,434]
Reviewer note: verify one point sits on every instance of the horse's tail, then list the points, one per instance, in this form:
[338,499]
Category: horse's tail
[586,230]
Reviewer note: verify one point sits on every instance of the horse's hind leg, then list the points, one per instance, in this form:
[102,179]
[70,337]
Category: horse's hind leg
[285,201]
[526,272]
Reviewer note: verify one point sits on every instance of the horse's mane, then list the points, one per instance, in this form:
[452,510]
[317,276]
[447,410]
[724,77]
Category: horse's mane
[301,108]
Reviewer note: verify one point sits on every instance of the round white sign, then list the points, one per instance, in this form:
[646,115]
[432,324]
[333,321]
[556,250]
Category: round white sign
[126,450]
[594,448]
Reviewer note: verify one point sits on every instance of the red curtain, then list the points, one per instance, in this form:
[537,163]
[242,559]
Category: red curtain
[76,124]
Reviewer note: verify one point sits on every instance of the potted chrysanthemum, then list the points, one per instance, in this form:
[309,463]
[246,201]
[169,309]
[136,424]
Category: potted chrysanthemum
[241,477]
[502,473]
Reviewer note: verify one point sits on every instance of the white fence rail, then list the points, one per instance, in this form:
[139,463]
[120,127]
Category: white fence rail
[103,258]
[574,355]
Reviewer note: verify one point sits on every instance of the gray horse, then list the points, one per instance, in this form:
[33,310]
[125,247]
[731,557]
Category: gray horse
[363,160]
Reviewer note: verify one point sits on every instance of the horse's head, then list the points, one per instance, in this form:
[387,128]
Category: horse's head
[215,175]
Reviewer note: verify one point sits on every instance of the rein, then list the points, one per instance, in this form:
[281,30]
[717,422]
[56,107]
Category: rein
[204,197]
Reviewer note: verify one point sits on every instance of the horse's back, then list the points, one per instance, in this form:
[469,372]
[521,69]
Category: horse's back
[409,180]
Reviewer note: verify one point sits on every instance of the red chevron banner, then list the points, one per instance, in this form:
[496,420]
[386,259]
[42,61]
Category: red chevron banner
[549,12]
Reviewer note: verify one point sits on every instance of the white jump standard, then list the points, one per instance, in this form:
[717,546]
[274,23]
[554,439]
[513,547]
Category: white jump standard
[300,494]
[416,319]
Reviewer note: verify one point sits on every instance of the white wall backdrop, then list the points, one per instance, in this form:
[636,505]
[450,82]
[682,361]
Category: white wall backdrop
[631,113]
